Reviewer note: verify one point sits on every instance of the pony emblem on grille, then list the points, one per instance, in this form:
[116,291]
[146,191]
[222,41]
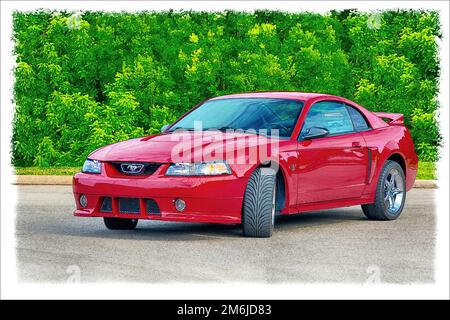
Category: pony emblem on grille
[132,168]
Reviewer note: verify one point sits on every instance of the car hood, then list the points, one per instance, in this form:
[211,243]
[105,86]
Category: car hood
[161,147]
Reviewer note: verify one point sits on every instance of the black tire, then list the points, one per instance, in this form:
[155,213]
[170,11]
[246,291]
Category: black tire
[120,223]
[258,214]
[379,210]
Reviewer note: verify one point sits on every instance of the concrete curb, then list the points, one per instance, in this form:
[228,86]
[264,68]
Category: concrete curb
[42,180]
[426,184]
[67,180]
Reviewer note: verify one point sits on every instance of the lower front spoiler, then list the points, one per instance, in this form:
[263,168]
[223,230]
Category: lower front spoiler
[179,217]
[223,211]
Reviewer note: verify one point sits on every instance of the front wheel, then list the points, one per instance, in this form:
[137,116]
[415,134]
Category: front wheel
[120,223]
[390,194]
[258,216]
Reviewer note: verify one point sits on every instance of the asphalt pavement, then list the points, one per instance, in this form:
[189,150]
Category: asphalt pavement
[338,245]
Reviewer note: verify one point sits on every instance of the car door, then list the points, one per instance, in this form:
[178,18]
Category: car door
[332,167]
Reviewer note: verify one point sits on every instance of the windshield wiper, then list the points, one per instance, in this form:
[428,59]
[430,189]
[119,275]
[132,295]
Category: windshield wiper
[220,128]
[224,128]
[203,129]
[179,128]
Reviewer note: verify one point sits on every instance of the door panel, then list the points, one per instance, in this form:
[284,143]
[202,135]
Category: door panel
[332,168]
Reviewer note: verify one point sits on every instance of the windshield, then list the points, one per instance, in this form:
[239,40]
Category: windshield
[244,114]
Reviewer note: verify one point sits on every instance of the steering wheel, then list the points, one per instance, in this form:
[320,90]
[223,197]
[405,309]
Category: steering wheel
[279,125]
[282,128]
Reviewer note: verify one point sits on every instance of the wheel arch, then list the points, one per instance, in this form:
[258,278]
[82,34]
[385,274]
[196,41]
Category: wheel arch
[281,175]
[380,158]
[399,158]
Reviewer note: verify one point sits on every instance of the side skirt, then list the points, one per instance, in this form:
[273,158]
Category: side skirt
[305,207]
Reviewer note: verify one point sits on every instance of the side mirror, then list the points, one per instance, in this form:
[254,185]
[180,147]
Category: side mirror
[164,127]
[315,132]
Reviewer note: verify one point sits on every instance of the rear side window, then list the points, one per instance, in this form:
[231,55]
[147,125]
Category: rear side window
[330,115]
[358,119]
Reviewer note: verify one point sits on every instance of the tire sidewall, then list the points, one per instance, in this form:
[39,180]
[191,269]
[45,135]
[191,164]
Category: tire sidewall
[269,175]
[120,223]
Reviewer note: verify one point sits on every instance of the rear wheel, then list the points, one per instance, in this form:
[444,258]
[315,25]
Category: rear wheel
[390,194]
[120,223]
[258,216]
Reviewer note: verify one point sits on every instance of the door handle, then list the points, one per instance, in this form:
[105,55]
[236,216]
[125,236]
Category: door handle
[356,144]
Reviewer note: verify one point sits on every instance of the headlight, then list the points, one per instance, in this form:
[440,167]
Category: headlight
[92,166]
[199,169]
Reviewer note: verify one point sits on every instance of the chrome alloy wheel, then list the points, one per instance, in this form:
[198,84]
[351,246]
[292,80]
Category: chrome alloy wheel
[394,191]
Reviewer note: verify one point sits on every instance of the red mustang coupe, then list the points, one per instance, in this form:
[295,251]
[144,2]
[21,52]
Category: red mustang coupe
[245,158]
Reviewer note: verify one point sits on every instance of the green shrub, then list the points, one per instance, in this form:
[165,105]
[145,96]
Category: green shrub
[425,130]
[86,80]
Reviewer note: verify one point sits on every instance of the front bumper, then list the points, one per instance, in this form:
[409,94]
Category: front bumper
[215,199]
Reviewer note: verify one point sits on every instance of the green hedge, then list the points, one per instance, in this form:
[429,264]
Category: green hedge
[85,80]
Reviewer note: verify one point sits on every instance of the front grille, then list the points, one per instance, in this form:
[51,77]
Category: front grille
[147,168]
[106,205]
[129,205]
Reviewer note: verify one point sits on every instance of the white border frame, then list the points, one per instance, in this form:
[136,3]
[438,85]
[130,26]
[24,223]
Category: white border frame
[12,289]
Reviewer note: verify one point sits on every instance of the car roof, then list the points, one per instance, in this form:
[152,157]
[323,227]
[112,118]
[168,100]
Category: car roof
[298,95]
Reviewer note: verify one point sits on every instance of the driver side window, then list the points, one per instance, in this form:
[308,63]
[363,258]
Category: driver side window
[329,115]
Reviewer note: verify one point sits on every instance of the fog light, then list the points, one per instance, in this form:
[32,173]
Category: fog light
[83,200]
[180,205]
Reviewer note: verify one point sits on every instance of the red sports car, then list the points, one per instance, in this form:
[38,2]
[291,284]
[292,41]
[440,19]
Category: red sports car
[245,158]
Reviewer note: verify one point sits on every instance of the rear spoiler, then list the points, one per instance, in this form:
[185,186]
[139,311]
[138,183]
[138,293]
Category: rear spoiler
[394,118]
